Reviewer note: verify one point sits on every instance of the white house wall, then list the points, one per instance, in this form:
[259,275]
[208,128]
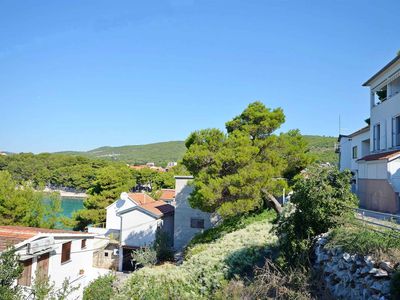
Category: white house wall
[81,259]
[382,114]
[113,221]
[346,151]
[373,170]
[138,229]
[394,171]
[183,232]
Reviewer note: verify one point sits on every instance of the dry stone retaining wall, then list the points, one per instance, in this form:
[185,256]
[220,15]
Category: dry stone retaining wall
[352,276]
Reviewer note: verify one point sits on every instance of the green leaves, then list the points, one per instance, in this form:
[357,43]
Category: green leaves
[231,169]
[322,198]
[21,205]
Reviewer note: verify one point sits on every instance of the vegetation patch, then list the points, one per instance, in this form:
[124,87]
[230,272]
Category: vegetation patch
[367,240]
[207,267]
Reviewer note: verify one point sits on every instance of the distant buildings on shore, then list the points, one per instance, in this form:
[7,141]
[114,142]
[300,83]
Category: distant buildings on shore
[152,166]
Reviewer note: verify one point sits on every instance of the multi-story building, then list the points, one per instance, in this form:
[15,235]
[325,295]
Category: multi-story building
[373,152]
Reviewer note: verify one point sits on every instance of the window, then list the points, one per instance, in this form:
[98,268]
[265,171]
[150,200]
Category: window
[106,254]
[396,131]
[355,152]
[196,223]
[66,252]
[83,244]
[377,137]
[25,278]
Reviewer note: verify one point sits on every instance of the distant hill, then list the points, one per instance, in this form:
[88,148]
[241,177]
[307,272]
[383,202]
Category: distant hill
[162,153]
[159,153]
[323,147]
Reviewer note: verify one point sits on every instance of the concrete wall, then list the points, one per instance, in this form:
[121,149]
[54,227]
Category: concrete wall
[373,170]
[345,153]
[138,229]
[183,232]
[378,194]
[361,141]
[394,173]
[80,260]
[113,221]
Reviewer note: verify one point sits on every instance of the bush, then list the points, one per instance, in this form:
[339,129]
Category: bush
[146,256]
[230,225]
[161,282]
[162,246]
[101,288]
[206,268]
[322,199]
[357,238]
[270,282]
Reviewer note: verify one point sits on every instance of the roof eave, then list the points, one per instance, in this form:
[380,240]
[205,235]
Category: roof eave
[387,66]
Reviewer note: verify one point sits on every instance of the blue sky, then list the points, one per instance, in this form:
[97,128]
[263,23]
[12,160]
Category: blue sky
[76,75]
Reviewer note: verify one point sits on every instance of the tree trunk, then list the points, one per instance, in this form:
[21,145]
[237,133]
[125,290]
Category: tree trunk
[272,201]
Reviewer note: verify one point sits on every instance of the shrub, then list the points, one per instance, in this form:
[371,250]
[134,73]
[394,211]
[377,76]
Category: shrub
[162,246]
[357,238]
[322,198]
[101,288]
[206,268]
[270,282]
[146,256]
[230,225]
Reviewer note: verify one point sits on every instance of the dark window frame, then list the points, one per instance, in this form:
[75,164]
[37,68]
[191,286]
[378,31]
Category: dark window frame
[354,152]
[197,223]
[83,244]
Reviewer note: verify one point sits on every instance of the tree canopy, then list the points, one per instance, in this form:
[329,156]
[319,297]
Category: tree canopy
[231,170]
[21,205]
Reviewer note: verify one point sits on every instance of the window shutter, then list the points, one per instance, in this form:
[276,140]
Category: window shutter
[66,252]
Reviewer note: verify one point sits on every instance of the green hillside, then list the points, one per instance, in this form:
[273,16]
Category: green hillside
[159,153]
[323,147]
[162,153]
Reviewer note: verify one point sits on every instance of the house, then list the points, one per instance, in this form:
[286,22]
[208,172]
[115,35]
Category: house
[188,221]
[134,219]
[168,196]
[59,254]
[373,152]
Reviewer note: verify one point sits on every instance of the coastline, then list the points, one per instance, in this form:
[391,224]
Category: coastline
[66,194]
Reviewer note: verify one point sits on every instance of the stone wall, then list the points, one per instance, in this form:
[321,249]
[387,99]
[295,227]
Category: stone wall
[352,276]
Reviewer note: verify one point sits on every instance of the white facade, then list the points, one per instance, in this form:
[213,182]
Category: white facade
[188,221]
[373,153]
[78,269]
[113,220]
[138,229]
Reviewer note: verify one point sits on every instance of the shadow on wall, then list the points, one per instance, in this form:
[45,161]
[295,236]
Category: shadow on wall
[141,238]
[378,195]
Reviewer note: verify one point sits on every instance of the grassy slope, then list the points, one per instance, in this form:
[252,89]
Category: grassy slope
[216,256]
[161,153]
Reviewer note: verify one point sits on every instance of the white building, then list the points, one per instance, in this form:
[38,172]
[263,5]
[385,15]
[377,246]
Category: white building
[188,221]
[58,254]
[135,219]
[373,153]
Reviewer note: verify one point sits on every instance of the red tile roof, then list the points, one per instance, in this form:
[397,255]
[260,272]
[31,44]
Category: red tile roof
[158,208]
[12,235]
[141,198]
[381,156]
[167,194]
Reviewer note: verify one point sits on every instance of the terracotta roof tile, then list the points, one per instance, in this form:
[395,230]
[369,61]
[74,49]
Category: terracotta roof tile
[141,198]
[381,156]
[12,235]
[167,194]
[158,208]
